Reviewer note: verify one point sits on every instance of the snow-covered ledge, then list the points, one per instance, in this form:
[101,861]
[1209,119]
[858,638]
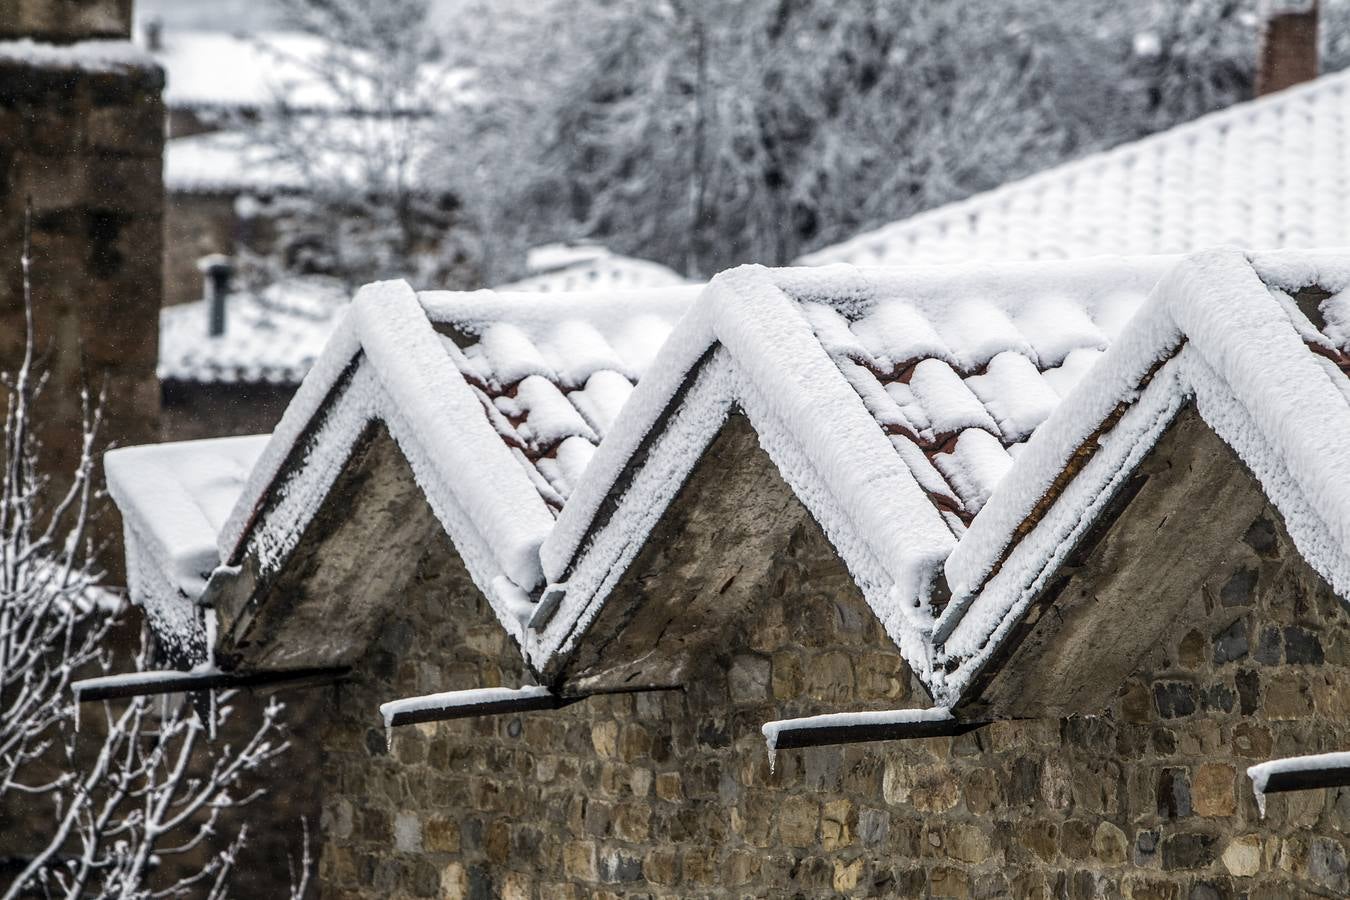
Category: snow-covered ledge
[1299,773]
[856,727]
[465,704]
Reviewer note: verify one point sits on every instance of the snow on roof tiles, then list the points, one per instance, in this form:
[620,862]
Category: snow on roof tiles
[924,415]
[1271,173]
[271,337]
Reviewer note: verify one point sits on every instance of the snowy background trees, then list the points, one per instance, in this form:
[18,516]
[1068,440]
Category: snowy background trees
[704,134]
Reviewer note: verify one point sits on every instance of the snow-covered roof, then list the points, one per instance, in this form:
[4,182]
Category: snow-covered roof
[272,336]
[89,56]
[344,148]
[217,70]
[1271,173]
[566,268]
[960,424]
[174,499]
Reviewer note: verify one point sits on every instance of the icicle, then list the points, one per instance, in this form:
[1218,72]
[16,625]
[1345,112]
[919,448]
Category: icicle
[770,732]
[78,704]
[209,617]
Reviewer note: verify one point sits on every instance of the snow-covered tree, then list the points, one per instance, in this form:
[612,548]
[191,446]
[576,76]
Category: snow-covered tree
[107,805]
[704,133]
[358,130]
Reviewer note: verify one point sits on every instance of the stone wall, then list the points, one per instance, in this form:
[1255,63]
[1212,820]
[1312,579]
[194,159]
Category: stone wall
[193,411]
[85,145]
[63,21]
[670,794]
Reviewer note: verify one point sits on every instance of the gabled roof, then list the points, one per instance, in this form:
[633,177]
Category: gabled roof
[951,429]
[1270,173]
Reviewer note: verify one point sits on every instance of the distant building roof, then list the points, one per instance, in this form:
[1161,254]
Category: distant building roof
[217,70]
[1271,173]
[560,268]
[274,335]
[241,159]
[271,337]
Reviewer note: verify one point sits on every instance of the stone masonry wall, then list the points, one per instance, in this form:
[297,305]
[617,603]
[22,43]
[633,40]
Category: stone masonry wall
[671,795]
[86,147]
[63,21]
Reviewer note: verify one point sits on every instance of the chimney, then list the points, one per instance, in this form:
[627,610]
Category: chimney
[153,31]
[216,271]
[1288,45]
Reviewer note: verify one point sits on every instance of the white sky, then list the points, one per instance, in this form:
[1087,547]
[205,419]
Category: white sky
[225,15]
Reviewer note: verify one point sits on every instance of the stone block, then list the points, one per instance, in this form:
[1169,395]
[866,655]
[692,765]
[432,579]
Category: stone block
[949,884]
[1239,589]
[1191,650]
[440,834]
[798,821]
[1302,647]
[617,866]
[846,875]
[1232,643]
[661,866]
[1214,790]
[605,738]
[1242,856]
[1188,850]
[580,861]
[748,679]
[1174,699]
[1268,647]
[829,678]
[837,821]
[1286,696]
[669,787]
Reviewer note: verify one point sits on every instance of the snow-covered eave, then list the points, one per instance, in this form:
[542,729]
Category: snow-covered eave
[1212,333]
[754,349]
[385,363]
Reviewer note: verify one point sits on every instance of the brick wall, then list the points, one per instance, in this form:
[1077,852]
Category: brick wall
[671,795]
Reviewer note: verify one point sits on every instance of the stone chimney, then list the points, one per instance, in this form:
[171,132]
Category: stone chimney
[152,33]
[217,271]
[1288,44]
[83,136]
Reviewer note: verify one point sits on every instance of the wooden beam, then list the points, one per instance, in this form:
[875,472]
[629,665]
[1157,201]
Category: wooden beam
[469,704]
[1279,782]
[144,684]
[826,735]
